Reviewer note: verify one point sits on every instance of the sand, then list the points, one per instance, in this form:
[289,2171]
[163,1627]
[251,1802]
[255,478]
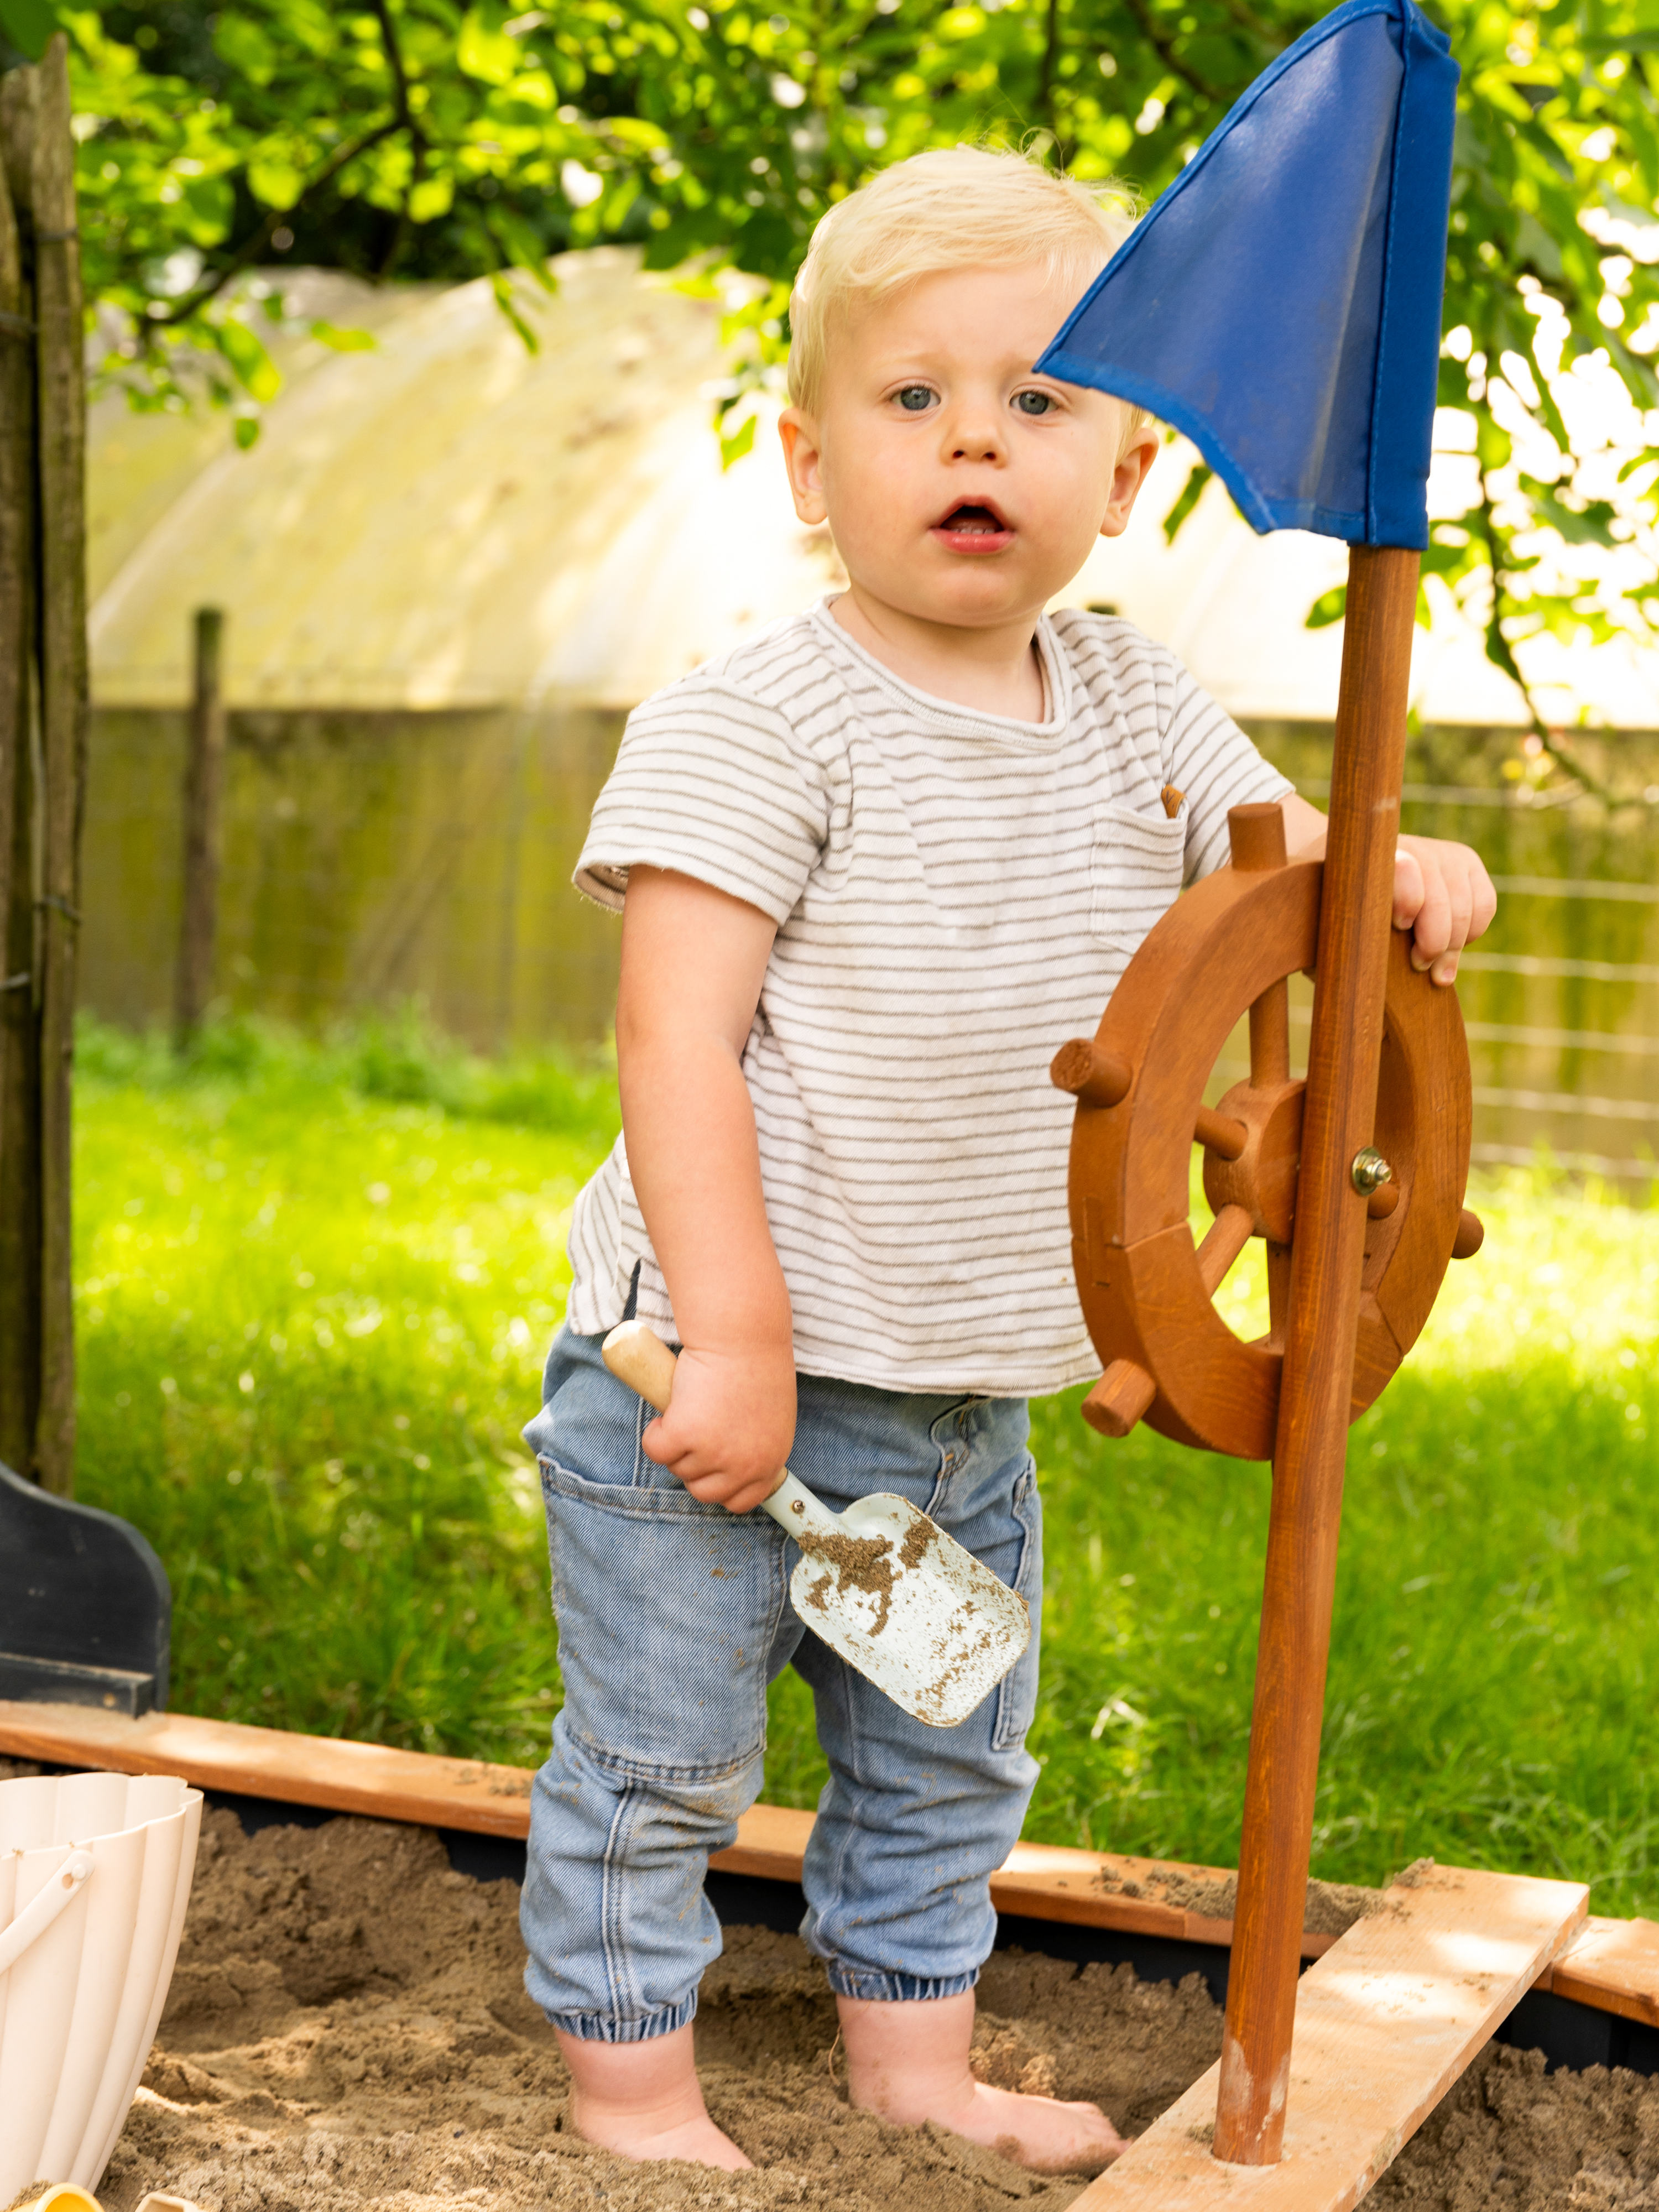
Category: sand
[348,2029]
[1509,2138]
[1331,1910]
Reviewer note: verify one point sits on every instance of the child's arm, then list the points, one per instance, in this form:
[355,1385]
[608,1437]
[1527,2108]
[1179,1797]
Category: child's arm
[693,960]
[1442,892]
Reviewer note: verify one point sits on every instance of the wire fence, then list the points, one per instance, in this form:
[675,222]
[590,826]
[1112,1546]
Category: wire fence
[1561,1002]
[371,859]
[1561,998]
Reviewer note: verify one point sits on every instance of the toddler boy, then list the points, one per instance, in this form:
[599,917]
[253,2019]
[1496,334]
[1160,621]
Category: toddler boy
[875,867]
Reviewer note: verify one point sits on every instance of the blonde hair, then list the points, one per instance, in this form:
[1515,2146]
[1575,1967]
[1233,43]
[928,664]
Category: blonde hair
[955,207]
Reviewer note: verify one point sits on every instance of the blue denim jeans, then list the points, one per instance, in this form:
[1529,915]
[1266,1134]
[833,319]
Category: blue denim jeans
[674,1617]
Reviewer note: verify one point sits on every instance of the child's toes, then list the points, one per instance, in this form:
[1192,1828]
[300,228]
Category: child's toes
[1050,2137]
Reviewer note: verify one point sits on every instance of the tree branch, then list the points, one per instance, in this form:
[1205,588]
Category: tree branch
[1050,67]
[394,62]
[1164,47]
[418,141]
[251,249]
[1247,20]
[1500,653]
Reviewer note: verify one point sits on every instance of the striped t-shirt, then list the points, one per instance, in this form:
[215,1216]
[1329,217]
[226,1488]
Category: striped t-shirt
[956,895]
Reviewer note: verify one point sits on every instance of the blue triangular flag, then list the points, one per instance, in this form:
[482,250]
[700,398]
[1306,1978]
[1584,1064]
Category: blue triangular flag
[1280,302]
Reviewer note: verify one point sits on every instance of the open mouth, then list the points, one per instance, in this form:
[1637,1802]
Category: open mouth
[973,526]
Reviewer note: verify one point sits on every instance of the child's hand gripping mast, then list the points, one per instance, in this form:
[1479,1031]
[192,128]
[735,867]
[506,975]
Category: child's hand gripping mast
[1146,1288]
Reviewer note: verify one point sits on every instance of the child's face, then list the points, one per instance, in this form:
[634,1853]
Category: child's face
[961,488]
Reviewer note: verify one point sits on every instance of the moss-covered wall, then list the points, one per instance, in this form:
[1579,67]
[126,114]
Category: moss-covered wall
[368,858]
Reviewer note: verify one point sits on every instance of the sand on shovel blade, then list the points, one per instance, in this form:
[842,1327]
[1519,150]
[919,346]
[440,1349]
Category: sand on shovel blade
[933,1626]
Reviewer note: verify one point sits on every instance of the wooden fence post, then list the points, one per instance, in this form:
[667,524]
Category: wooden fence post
[61,352]
[19,1170]
[43,728]
[203,777]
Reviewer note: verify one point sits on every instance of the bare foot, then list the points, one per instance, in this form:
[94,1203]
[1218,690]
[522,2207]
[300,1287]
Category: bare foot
[699,2141]
[644,2101]
[909,2062]
[1039,2132]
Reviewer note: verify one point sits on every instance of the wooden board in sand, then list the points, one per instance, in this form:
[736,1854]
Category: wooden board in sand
[1385,2023]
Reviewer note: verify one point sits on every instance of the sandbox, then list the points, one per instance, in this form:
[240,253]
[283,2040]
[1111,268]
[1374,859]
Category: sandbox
[348,2029]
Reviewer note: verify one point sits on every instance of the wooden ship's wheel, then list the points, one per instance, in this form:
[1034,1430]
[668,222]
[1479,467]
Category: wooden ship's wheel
[1147,1287]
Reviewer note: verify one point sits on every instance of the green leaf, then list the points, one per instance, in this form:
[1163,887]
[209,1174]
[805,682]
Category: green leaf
[1191,492]
[238,39]
[274,181]
[28,24]
[246,430]
[1549,409]
[501,285]
[344,340]
[487,54]
[252,365]
[1493,443]
[1330,607]
[522,247]
[308,21]
[431,198]
[740,441]
[1586,525]
[628,130]
[1638,373]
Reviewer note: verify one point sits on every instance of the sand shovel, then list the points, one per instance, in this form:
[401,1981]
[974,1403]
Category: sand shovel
[881,1584]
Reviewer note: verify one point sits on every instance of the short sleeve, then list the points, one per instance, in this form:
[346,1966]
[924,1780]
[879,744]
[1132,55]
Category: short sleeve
[1208,757]
[713,782]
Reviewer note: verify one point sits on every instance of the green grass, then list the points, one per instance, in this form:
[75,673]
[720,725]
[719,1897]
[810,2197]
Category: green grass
[316,1285]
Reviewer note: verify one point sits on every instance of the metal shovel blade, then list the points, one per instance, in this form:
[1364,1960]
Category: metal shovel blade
[908,1606]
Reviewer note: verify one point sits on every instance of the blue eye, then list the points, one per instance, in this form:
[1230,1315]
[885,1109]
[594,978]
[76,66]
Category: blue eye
[1034,403]
[914,398]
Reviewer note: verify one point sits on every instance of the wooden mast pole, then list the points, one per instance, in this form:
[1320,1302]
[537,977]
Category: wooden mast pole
[1310,1444]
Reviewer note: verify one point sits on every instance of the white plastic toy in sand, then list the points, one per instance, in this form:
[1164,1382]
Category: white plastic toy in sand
[65,2197]
[94,1876]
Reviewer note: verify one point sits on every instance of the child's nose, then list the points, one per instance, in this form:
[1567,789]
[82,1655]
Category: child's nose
[974,438]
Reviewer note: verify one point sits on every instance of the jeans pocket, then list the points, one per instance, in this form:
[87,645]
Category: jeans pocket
[1017,1691]
[667,1609]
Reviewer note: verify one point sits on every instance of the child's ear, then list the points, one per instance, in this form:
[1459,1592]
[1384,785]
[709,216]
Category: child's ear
[1133,464]
[803,455]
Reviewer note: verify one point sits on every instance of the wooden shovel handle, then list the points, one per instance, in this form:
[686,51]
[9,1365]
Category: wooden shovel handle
[636,1355]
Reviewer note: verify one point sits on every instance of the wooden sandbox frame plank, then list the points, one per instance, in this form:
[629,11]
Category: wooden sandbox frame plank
[1612,1967]
[1040,1882]
[1385,2023]
[330,1771]
[1615,1967]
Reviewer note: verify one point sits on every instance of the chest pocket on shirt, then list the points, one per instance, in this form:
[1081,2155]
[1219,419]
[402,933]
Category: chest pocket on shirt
[1135,874]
